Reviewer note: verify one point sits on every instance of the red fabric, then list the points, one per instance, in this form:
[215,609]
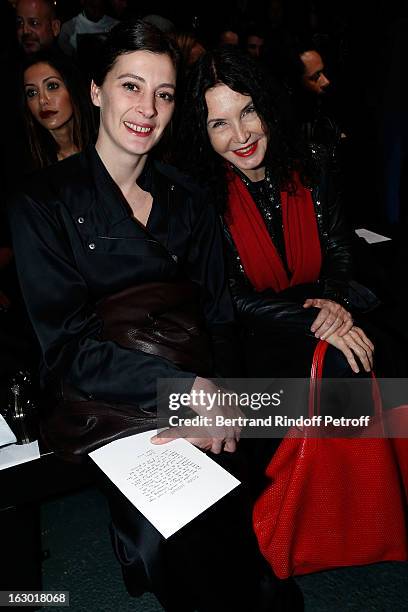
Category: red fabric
[331,502]
[260,259]
[396,424]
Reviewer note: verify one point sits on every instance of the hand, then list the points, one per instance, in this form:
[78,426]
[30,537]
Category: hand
[212,437]
[331,318]
[354,343]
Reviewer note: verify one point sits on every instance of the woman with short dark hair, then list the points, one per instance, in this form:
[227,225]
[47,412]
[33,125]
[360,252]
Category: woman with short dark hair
[109,220]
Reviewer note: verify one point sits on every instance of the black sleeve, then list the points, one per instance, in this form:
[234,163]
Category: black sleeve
[59,306]
[267,309]
[263,310]
[206,266]
[337,262]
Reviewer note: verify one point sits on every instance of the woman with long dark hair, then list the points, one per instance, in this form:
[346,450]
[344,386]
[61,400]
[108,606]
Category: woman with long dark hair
[287,245]
[110,220]
[57,108]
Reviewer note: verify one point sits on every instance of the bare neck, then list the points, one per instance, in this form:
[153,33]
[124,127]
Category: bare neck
[64,137]
[123,167]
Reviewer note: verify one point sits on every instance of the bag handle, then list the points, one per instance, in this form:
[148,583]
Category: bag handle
[316,374]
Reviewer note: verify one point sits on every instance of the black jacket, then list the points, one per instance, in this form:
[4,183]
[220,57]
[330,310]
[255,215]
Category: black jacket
[258,310]
[76,242]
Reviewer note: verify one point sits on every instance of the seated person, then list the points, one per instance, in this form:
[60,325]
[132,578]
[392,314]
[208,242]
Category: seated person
[108,219]
[288,248]
[57,109]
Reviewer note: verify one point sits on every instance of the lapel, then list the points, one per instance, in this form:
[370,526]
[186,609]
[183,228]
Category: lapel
[88,190]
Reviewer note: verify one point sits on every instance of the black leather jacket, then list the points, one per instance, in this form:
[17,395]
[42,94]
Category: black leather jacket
[266,308]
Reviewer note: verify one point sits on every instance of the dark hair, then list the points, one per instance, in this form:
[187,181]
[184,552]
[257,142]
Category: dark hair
[43,147]
[130,36]
[232,67]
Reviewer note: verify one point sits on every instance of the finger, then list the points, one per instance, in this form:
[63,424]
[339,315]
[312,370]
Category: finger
[362,335]
[348,353]
[202,443]
[216,446]
[346,326]
[333,328]
[173,433]
[360,351]
[332,323]
[359,335]
[319,320]
[230,445]
[363,341]
[158,440]
[309,303]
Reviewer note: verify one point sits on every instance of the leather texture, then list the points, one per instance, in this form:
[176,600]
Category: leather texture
[76,428]
[260,309]
[331,502]
[162,319]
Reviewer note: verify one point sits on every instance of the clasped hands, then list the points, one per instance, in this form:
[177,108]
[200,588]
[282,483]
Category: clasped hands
[335,325]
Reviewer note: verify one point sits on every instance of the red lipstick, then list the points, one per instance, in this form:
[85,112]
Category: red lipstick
[46,114]
[245,151]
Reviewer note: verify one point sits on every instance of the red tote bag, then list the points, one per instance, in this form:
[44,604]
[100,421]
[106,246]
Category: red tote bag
[331,502]
[396,424]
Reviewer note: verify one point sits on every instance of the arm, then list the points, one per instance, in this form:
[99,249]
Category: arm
[264,310]
[334,315]
[59,304]
[206,267]
[64,38]
[337,262]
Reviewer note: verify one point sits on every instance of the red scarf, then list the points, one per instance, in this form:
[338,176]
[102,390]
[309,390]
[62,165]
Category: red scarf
[260,259]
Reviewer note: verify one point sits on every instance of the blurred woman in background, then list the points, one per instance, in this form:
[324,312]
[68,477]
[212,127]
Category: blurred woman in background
[57,109]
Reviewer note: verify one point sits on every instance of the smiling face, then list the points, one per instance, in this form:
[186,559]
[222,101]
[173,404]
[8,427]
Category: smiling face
[235,130]
[47,96]
[136,101]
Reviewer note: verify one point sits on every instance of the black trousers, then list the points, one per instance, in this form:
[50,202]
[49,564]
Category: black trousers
[212,564]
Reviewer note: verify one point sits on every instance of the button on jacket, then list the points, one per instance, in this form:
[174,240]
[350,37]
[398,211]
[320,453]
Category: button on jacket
[76,241]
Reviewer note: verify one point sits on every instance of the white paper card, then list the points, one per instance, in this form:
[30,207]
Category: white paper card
[6,434]
[14,454]
[371,237]
[170,484]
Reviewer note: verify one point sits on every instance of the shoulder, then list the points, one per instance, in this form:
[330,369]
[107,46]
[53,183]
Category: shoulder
[189,196]
[57,178]
[108,21]
[179,180]
[61,183]
[69,25]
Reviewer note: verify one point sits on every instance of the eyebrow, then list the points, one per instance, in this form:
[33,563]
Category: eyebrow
[22,18]
[43,81]
[223,119]
[142,80]
[315,75]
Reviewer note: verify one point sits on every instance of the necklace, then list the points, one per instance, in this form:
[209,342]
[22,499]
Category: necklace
[267,198]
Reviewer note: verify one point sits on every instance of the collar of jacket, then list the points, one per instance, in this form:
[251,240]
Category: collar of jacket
[82,183]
